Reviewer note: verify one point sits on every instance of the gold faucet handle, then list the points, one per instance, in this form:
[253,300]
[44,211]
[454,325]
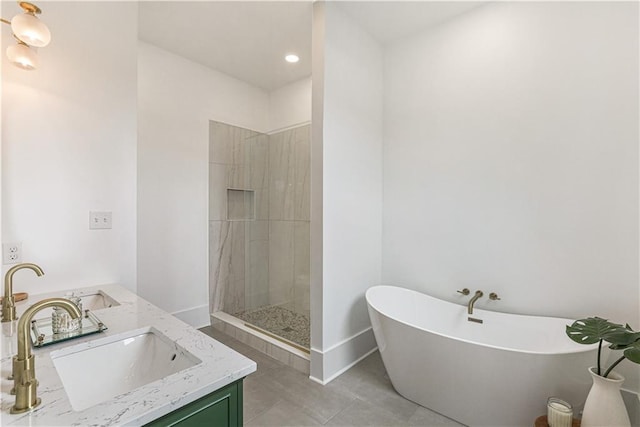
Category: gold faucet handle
[493,296]
[465,291]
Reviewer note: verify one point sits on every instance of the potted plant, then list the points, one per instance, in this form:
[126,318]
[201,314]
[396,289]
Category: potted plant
[604,405]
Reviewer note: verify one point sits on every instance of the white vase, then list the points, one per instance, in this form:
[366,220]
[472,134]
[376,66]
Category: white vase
[604,406]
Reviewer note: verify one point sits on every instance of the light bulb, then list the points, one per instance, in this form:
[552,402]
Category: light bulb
[30,30]
[22,56]
[292,58]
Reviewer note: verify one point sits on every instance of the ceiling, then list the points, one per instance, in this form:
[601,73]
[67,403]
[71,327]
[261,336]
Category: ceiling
[249,39]
[389,21]
[244,39]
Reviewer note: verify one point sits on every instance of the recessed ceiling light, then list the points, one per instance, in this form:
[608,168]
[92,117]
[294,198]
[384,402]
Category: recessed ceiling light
[292,58]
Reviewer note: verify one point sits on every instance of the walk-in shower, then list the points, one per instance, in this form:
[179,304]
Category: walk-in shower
[259,229]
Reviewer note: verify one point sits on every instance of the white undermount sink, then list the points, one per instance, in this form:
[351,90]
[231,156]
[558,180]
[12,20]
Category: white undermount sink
[97,301]
[94,300]
[102,369]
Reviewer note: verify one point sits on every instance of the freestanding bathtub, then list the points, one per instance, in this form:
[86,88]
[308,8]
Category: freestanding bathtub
[498,373]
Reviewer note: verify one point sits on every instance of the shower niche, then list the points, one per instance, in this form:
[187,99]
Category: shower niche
[240,205]
[259,230]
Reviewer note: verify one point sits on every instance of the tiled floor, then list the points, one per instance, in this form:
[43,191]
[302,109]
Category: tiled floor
[276,395]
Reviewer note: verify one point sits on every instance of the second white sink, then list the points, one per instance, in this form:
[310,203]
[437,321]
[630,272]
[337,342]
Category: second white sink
[97,301]
[105,368]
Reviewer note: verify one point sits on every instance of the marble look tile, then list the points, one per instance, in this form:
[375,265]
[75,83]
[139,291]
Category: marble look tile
[240,205]
[302,133]
[237,260]
[281,176]
[279,354]
[281,261]
[301,302]
[238,138]
[227,143]
[217,192]
[220,143]
[226,265]
[257,230]
[300,364]
[219,262]
[257,344]
[257,274]
[258,176]
[237,176]
[225,333]
[302,174]
[221,328]
[301,273]
[234,300]
[261,203]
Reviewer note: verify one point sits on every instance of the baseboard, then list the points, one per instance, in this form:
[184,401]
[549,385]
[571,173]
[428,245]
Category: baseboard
[331,363]
[198,317]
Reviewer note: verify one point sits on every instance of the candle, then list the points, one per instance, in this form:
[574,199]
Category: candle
[559,413]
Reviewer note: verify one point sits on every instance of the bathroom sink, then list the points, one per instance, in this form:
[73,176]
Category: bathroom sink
[97,301]
[102,369]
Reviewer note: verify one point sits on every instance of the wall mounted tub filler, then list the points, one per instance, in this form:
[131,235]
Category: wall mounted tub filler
[473,300]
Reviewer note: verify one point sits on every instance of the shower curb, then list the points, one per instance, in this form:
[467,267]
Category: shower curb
[280,351]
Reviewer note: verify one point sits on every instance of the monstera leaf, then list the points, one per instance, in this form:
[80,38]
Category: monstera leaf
[633,352]
[622,339]
[593,329]
[596,330]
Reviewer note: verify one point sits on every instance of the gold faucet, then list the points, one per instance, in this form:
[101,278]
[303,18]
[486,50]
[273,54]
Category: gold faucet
[24,364]
[473,301]
[8,302]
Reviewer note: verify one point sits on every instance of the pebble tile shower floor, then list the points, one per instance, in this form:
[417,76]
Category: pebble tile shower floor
[277,395]
[281,321]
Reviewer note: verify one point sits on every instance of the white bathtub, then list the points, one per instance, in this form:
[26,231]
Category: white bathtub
[498,373]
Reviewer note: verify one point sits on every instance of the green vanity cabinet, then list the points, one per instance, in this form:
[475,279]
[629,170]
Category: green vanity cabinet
[221,408]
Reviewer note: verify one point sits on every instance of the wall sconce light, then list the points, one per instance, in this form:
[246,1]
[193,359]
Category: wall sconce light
[30,33]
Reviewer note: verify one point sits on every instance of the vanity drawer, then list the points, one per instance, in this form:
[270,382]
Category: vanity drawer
[220,408]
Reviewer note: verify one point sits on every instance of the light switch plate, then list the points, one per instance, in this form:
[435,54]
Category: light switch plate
[99,220]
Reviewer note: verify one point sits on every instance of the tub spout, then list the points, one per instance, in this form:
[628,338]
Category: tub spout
[473,300]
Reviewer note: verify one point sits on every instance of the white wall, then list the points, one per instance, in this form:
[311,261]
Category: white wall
[69,146]
[176,100]
[290,105]
[351,121]
[511,159]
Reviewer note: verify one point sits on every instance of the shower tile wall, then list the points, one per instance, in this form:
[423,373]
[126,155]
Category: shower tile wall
[264,261]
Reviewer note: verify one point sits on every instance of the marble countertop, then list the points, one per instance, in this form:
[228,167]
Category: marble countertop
[219,366]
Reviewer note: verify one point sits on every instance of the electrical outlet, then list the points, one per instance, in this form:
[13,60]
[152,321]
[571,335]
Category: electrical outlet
[11,253]
[99,220]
